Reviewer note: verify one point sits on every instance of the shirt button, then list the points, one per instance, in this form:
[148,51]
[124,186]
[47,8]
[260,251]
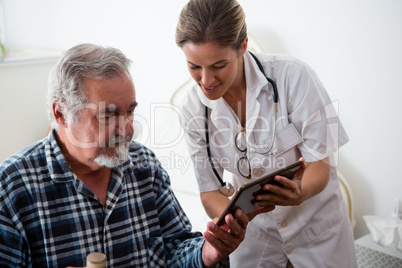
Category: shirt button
[288,250]
[284,224]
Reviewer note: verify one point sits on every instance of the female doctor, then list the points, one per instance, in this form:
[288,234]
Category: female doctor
[251,120]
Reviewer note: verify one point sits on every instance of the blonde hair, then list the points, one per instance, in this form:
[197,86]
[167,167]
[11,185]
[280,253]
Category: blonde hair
[222,22]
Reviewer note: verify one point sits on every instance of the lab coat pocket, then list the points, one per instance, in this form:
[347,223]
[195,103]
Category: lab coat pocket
[285,139]
[328,225]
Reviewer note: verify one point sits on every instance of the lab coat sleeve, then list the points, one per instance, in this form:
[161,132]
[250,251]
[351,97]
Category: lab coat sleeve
[313,113]
[193,123]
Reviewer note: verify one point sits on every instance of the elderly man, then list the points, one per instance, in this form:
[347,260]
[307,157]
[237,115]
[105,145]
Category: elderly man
[88,188]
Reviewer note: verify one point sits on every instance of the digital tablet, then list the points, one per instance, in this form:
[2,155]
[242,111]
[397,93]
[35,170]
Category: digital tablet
[245,195]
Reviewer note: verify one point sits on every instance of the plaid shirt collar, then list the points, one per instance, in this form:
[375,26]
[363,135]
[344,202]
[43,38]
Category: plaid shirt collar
[59,169]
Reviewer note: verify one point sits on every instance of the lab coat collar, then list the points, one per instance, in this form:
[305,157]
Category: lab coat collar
[255,79]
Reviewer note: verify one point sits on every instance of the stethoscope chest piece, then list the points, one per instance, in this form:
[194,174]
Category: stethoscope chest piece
[227,190]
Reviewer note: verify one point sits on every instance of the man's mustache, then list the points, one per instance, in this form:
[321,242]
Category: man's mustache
[117,139]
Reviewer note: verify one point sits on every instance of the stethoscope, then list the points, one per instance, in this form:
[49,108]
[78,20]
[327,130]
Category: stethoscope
[227,188]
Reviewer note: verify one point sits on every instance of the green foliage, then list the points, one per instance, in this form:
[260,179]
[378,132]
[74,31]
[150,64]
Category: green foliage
[3,50]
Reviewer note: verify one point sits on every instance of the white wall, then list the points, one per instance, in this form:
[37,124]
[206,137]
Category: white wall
[354,46]
[23,114]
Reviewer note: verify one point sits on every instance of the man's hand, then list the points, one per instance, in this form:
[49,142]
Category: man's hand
[221,241]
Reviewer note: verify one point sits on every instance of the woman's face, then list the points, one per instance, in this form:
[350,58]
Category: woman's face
[215,69]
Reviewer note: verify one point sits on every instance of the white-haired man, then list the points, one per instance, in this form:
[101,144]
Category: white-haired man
[88,188]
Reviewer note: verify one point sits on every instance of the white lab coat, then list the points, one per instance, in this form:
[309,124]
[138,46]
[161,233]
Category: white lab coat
[316,233]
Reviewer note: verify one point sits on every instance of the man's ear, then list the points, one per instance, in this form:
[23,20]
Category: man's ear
[58,114]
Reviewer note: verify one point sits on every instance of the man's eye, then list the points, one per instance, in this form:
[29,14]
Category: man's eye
[106,119]
[130,115]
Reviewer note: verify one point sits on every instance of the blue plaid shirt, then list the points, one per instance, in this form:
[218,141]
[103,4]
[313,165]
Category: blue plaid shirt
[49,218]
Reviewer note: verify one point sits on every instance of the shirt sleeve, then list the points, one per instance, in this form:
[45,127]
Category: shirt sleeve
[313,113]
[193,123]
[12,252]
[184,248]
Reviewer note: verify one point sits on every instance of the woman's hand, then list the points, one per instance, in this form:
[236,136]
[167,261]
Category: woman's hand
[308,181]
[260,210]
[287,193]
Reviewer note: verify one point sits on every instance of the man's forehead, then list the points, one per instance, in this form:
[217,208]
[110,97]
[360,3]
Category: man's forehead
[112,107]
[110,93]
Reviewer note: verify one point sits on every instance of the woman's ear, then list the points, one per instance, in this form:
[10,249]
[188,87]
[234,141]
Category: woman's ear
[243,48]
[58,114]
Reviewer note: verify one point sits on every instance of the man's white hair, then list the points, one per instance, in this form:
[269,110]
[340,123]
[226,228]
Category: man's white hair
[65,85]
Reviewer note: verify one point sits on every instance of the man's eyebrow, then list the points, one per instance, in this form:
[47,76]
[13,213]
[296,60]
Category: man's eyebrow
[134,104]
[112,109]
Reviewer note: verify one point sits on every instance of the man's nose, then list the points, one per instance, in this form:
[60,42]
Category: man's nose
[124,126]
